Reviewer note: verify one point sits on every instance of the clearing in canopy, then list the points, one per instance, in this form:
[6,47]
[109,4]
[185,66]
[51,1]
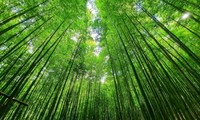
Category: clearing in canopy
[99,59]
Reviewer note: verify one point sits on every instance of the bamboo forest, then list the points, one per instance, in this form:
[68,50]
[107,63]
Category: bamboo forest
[99,60]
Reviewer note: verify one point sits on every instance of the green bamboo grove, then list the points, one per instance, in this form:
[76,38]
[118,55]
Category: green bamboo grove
[99,60]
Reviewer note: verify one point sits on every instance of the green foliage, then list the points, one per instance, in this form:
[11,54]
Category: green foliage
[148,68]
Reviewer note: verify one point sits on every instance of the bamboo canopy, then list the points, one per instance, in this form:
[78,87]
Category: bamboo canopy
[99,59]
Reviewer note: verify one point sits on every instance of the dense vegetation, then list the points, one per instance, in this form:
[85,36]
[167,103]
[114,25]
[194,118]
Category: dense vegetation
[147,65]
